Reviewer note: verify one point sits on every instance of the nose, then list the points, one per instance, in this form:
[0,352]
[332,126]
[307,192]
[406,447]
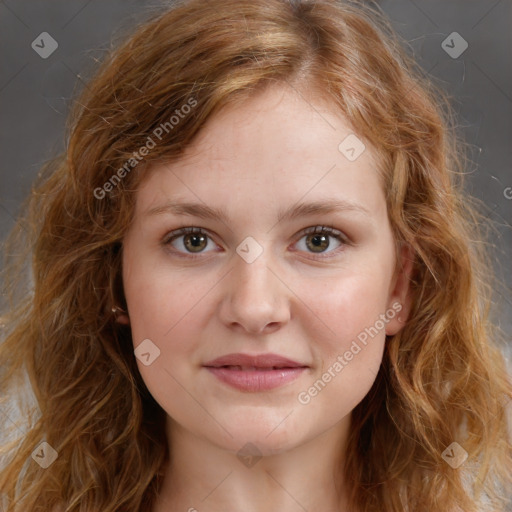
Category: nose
[255,299]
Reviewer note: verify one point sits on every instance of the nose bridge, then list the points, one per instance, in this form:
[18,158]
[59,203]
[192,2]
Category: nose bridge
[253,278]
[254,274]
[255,296]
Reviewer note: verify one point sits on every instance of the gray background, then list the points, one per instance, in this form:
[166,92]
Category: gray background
[35,93]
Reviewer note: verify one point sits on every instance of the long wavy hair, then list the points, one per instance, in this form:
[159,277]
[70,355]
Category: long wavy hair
[443,378]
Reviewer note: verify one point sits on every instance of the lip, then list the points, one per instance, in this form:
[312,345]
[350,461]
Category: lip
[260,372]
[260,361]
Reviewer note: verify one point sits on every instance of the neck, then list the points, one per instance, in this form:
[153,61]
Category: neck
[203,476]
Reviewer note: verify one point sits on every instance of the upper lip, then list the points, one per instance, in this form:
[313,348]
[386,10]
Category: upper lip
[256,361]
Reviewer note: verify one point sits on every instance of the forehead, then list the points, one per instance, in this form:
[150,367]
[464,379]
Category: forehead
[276,147]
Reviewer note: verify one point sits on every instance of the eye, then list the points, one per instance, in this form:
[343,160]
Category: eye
[317,240]
[189,241]
[192,240]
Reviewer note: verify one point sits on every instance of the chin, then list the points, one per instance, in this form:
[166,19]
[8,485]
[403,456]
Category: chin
[268,439]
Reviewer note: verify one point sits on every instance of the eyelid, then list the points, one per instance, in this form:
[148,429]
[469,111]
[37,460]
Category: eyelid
[324,229]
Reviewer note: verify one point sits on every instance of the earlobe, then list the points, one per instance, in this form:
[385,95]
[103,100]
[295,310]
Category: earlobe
[400,299]
[121,316]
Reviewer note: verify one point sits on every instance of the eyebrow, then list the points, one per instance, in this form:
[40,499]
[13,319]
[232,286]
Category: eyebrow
[300,209]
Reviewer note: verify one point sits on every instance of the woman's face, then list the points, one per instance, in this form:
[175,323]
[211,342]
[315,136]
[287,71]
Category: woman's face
[253,283]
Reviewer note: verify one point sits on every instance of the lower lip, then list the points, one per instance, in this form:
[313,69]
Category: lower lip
[256,380]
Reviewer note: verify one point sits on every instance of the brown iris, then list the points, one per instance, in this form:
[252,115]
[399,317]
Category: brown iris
[319,242]
[194,242]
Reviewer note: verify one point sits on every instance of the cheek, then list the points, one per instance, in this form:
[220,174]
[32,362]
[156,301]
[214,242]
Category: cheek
[165,304]
[346,306]
[170,312]
[349,338]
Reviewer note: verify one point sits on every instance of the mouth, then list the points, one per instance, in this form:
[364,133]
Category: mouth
[255,373]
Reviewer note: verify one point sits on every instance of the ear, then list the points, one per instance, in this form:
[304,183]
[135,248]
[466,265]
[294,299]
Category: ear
[123,319]
[400,299]
[118,301]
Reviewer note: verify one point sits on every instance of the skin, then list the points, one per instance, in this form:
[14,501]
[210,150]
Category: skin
[277,149]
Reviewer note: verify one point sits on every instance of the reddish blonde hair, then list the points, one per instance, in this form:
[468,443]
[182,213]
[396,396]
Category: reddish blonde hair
[442,378]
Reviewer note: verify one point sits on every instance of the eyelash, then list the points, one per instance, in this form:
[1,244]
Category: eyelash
[314,230]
